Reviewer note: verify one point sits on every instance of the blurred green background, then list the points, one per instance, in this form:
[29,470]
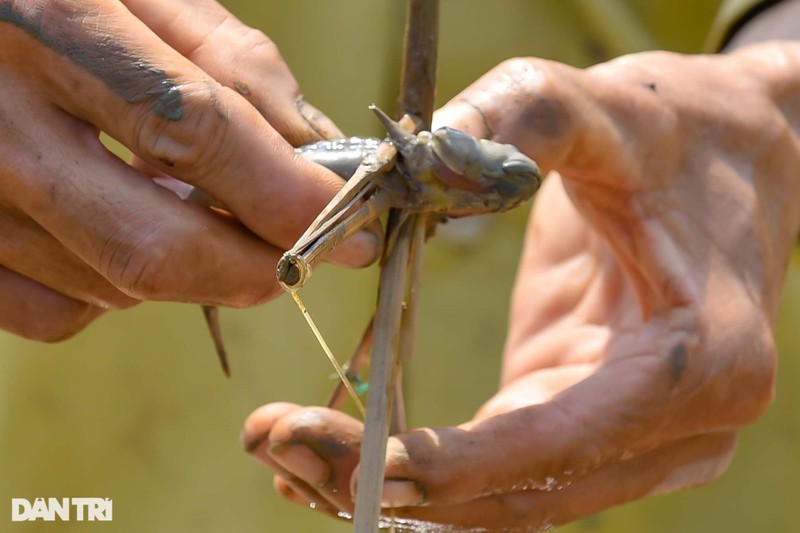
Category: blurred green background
[136,408]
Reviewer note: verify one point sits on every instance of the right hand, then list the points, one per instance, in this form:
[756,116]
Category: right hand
[186,87]
[640,336]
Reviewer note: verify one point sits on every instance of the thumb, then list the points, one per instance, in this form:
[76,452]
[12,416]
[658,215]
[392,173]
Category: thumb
[542,107]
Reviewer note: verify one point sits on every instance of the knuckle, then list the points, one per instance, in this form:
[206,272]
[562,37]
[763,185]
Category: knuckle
[197,141]
[147,275]
[153,261]
[138,263]
[536,90]
[243,48]
[527,75]
[258,48]
[516,64]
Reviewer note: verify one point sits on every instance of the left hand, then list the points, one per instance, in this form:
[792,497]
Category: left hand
[640,338]
[187,88]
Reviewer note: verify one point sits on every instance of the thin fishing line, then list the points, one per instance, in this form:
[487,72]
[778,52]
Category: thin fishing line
[329,353]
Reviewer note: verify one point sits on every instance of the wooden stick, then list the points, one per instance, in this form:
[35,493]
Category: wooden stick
[381,379]
[408,323]
[211,314]
[418,81]
[416,100]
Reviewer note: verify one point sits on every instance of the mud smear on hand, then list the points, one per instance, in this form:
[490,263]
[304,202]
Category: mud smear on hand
[678,358]
[548,117]
[127,75]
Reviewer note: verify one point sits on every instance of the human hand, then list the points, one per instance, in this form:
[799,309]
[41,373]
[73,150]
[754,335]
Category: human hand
[186,87]
[640,337]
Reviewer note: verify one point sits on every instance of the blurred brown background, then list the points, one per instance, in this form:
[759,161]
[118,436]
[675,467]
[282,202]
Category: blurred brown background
[136,408]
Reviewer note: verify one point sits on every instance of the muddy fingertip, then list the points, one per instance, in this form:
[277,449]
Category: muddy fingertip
[317,120]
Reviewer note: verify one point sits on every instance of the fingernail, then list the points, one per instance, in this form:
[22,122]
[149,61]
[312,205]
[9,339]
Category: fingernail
[250,443]
[369,244]
[360,250]
[318,121]
[301,461]
[401,493]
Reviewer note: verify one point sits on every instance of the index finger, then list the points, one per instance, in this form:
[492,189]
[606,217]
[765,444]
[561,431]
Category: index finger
[177,118]
[239,57]
[550,111]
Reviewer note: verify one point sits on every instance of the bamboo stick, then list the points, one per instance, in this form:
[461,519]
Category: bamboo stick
[381,381]
[416,100]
